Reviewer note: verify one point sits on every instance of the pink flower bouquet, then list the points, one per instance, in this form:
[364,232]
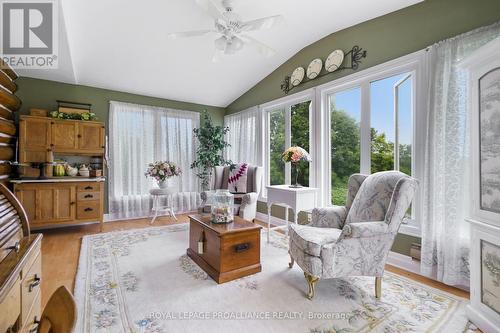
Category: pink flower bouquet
[295,155]
[162,170]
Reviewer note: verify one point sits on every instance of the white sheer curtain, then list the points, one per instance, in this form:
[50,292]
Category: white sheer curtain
[138,135]
[244,136]
[445,185]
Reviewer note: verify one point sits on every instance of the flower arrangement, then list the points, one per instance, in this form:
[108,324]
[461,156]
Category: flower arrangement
[295,155]
[162,170]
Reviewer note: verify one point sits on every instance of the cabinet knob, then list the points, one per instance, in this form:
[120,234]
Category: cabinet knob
[88,209]
[36,322]
[35,283]
[79,135]
[16,247]
[72,203]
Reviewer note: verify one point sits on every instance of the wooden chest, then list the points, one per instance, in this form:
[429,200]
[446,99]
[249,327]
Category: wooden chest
[224,251]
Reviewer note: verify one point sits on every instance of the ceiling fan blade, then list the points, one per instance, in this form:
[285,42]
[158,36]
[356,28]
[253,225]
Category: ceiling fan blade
[262,23]
[193,33]
[263,49]
[211,9]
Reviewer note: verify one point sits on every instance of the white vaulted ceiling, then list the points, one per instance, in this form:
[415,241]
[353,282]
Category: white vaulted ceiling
[123,45]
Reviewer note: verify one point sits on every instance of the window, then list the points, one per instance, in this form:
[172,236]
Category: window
[277,145]
[243,136]
[139,135]
[369,122]
[300,137]
[288,124]
[345,117]
[391,123]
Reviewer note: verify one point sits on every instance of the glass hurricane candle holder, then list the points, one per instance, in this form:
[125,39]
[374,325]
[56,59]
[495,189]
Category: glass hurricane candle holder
[222,207]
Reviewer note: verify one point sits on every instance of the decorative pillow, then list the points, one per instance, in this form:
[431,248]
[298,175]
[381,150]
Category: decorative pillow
[237,182]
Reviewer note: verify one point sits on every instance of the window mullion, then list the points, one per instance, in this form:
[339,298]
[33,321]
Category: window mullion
[288,141]
[396,126]
[365,158]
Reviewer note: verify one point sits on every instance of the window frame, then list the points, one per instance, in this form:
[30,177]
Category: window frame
[285,103]
[413,64]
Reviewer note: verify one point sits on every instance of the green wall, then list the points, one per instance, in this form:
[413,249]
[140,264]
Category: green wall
[385,38]
[35,93]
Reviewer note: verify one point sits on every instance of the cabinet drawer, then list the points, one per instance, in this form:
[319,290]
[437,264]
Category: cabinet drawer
[32,258]
[30,288]
[85,196]
[33,318]
[88,187]
[88,210]
[10,307]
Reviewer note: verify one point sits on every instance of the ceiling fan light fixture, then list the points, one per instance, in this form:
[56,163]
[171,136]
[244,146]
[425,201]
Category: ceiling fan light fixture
[220,43]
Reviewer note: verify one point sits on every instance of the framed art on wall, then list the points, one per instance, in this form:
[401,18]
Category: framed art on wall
[490,275]
[489,140]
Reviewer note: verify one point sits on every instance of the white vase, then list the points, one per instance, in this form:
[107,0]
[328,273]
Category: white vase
[162,184]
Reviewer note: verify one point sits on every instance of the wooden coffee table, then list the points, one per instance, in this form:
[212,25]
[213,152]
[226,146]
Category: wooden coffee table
[225,251]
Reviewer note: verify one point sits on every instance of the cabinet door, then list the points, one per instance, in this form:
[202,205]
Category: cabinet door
[91,137]
[34,140]
[27,197]
[64,203]
[64,136]
[46,203]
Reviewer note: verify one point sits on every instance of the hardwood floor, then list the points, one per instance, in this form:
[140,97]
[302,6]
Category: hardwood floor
[61,250]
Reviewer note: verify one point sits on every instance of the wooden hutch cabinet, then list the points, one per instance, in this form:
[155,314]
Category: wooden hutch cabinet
[40,136]
[59,200]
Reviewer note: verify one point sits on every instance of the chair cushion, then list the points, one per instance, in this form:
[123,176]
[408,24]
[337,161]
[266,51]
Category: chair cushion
[311,239]
[374,196]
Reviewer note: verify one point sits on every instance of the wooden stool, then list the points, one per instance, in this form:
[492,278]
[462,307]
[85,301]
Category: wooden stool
[157,193]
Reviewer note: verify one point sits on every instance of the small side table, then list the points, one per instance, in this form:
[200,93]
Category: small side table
[157,193]
[298,199]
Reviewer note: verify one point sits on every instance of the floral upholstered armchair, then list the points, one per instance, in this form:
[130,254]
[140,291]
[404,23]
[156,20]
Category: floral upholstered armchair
[245,204]
[355,239]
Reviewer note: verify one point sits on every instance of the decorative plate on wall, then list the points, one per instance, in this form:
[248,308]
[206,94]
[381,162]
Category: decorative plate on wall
[314,68]
[334,60]
[297,76]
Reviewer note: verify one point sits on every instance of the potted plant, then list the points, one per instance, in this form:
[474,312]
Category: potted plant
[210,149]
[161,171]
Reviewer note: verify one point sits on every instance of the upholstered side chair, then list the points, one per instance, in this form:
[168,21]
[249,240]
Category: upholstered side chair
[245,204]
[355,239]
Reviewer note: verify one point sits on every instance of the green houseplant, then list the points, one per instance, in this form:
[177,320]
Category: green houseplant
[210,149]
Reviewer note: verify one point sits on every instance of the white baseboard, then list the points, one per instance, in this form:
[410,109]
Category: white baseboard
[112,217]
[404,262]
[274,220]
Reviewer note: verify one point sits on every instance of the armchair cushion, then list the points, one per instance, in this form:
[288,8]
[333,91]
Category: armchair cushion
[329,217]
[311,239]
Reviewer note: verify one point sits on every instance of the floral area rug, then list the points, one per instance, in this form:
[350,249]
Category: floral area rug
[142,281]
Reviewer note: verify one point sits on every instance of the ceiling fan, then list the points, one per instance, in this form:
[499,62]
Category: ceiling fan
[232,29]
